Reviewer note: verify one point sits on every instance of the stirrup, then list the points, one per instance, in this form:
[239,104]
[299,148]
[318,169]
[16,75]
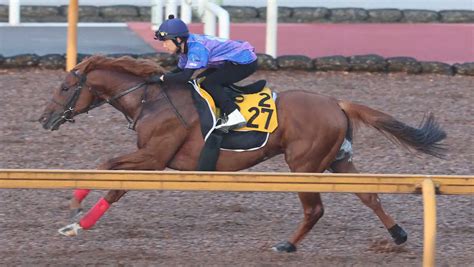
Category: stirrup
[70,230]
[227,128]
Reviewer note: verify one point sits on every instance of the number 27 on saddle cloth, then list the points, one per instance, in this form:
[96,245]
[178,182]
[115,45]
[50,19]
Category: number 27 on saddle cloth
[259,109]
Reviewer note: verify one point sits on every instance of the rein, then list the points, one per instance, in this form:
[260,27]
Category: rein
[131,122]
[69,108]
[176,111]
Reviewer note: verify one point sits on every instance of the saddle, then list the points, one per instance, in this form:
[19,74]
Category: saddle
[258,107]
[249,88]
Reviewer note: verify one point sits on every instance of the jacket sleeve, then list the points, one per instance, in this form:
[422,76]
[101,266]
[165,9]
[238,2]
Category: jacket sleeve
[178,77]
[176,70]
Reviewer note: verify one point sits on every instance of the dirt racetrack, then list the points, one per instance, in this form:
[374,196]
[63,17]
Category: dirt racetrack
[153,228]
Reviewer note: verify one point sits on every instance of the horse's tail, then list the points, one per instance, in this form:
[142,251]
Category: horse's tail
[425,139]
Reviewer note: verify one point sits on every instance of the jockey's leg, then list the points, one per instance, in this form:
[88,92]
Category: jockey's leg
[214,86]
[228,74]
[206,72]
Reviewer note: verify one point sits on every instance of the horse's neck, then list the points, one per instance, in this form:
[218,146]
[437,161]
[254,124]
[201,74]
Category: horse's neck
[181,101]
[111,84]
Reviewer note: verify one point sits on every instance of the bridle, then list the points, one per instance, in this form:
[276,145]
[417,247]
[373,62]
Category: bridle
[69,108]
[69,111]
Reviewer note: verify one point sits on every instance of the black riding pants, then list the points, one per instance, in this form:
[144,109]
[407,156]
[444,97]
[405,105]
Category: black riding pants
[228,74]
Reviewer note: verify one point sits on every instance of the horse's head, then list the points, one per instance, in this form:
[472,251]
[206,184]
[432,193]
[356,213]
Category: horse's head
[94,81]
[72,97]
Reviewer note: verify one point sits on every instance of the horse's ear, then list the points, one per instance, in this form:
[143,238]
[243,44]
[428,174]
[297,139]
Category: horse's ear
[86,63]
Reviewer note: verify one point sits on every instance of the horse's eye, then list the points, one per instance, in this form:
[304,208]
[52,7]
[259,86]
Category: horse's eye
[64,88]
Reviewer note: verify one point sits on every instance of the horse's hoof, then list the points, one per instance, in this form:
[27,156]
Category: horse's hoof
[75,214]
[284,246]
[70,230]
[399,235]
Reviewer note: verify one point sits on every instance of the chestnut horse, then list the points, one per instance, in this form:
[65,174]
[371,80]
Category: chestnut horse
[311,130]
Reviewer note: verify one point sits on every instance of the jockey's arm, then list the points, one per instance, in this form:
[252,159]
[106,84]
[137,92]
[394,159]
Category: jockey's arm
[175,76]
[176,70]
[181,76]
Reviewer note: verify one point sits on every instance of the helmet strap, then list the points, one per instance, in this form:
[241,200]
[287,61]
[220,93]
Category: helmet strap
[178,44]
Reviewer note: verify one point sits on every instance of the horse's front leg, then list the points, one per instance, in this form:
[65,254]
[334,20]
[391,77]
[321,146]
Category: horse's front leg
[75,206]
[139,160]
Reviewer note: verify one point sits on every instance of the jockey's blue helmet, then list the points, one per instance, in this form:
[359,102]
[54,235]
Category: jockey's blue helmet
[171,29]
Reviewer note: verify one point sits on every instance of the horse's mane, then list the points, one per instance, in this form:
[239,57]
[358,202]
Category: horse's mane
[138,67]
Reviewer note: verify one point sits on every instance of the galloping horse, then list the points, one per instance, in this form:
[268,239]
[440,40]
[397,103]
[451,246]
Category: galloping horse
[311,130]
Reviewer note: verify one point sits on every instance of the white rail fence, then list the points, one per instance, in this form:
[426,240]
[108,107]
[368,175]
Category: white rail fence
[367,4]
[207,10]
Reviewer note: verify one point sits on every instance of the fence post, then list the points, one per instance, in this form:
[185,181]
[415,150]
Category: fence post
[156,14]
[71,54]
[171,9]
[429,214]
[272,28]
[224,19]
[14,12]
[186,11]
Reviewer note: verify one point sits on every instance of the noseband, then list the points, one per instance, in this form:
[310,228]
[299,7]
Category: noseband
[69,112]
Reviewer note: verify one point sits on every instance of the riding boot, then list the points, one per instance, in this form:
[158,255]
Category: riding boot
[232,121]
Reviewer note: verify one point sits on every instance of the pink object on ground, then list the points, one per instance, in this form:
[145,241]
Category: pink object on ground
[80,194]
[443,42]
[94,214]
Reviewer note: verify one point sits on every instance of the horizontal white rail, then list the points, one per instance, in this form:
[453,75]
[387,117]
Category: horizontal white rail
[369,4]
[65,24]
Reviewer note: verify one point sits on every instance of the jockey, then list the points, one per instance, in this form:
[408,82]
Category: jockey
[227,62]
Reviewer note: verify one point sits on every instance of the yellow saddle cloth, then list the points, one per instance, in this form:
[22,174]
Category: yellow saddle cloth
[259,109]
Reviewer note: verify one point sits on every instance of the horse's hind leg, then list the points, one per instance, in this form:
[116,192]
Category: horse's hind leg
[372,201]
[313,210]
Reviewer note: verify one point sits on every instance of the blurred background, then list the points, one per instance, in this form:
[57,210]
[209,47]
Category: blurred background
[434,30]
